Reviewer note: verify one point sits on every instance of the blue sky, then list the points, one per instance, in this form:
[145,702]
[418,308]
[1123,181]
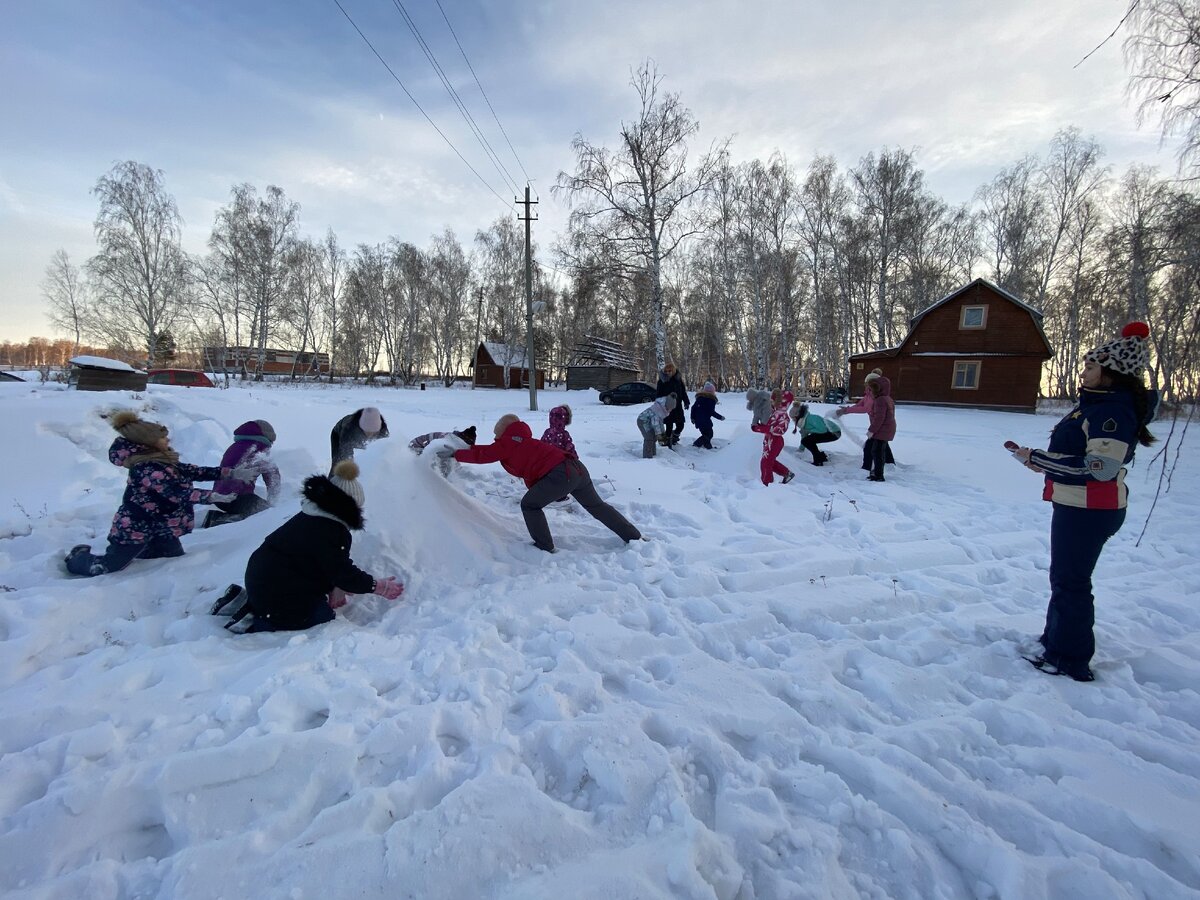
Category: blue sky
[270,92]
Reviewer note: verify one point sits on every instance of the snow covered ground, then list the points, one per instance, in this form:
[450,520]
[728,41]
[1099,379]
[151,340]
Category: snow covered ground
[810,691]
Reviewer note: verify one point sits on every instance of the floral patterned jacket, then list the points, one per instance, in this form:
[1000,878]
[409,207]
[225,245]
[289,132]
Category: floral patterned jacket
[158,496]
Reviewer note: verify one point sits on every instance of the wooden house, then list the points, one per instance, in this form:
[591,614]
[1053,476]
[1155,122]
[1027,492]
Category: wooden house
[98,373]
[503,366]
[275,362]
[600,364]
[980,347]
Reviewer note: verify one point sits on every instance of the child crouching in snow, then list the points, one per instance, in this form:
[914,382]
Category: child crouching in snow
[156,510]
[251,448]
[302,571]
[651,422]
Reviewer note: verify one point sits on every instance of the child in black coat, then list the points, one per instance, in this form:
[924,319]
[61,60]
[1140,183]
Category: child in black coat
[303,570]
[704,410]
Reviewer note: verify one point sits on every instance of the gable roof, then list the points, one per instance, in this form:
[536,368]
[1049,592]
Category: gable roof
[1035,314]
[594,351]
[506,355]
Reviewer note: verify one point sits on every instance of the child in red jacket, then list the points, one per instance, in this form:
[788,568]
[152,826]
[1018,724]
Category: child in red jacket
[549,473]
[773,431]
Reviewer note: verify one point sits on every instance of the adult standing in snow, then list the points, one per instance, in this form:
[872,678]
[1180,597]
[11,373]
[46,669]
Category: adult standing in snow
[704,410]
[773,432]
[156,510]
[550,474]
[883,424]
[355,431]
[671,382]
[302,571]
[814,430]
[651,421]
[1084,466]
[251,447]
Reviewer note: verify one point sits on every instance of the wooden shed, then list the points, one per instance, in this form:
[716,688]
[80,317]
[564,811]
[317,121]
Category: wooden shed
[600,364]
[978,347]
[503,366]
[98,373]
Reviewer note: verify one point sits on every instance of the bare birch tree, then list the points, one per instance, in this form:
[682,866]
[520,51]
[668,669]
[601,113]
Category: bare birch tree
[66,297]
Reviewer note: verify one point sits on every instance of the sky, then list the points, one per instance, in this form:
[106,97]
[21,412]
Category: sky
[220,92]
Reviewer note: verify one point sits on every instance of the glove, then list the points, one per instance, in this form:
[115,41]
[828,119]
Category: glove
[337,598]
[445,452]
[214,497]
[388,588]
[244,472]
[838,413]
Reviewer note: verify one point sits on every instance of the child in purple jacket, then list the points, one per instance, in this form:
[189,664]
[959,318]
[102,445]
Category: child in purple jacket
[156,510]
[251,448]
[557,434]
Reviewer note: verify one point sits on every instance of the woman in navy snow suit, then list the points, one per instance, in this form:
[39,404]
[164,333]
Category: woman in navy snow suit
[1084,467]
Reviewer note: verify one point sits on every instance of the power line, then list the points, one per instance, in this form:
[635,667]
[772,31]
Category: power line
[396,78]
[482,91]
[462,107]
[1128,13]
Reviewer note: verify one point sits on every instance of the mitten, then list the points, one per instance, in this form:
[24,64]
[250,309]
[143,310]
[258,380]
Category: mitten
[214,497]
[245,472]
[388,588]
[445,452]
[337,598]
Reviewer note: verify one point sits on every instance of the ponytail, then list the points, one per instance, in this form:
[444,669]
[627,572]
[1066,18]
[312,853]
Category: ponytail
[1141,402]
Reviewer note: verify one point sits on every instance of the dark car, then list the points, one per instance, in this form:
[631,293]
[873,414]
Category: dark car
[835,395]
[629,392]
[184,377]
[9,376]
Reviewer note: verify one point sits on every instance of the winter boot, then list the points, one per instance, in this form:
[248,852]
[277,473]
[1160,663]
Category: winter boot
[231,602]
[788,477]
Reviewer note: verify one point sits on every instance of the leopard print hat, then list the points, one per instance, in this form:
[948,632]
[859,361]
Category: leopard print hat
[1129,354]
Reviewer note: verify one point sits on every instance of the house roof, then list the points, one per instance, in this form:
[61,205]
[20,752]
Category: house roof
[506,355]
[1037,315]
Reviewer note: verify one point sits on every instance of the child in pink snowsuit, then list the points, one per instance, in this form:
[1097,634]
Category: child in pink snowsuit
[557,434]
[773,431]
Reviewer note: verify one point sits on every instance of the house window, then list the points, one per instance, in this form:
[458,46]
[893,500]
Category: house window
[858,366]
[481,373]
[973,317]
[966,376]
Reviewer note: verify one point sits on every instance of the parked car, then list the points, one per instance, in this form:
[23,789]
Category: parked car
[184,377]
[629,392]
[9,376]
[835,395]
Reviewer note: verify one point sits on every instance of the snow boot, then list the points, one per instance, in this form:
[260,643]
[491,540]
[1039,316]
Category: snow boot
[231,602]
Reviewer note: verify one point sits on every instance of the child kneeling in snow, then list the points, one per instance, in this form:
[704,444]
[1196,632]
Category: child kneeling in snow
[251,448]
[156,510]
[303,570]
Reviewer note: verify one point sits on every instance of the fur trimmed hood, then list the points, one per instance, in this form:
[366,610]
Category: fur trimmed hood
[330,499]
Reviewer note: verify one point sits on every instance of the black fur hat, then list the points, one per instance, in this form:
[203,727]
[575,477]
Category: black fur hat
[326,495]
[467,435]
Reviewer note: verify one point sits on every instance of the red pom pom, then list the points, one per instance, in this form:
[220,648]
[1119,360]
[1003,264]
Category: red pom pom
[1136,329]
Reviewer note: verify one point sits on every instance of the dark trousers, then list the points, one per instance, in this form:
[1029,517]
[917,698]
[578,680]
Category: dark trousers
[674,424]
[243,507]
[809,442]
[118,556]
[309,612]
[869,454]
[880,452]
[705,439]
[569,477]
[1076,538]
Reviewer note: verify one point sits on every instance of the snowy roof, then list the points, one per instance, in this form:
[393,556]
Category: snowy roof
[506,354]
[101,362]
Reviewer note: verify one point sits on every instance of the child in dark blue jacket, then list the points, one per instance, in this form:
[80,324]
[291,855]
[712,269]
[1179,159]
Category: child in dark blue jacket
[704,410]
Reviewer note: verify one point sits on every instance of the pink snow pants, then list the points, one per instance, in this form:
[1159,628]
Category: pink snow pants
[770,465]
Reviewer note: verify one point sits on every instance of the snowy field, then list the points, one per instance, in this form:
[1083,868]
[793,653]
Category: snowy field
[810,691]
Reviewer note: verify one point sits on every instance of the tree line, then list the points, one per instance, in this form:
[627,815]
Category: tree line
[749,273]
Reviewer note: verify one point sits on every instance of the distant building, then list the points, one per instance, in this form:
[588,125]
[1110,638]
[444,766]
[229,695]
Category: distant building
[978,347]
[600,364]
[503,366]
[276,362]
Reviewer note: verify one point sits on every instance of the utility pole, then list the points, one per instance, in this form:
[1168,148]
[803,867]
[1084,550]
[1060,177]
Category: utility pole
[529,359]
[475,349]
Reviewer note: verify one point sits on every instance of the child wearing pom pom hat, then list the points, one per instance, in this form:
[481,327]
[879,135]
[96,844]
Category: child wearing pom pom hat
[1084,468]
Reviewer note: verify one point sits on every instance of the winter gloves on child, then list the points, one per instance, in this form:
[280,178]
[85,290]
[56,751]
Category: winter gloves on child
[388,588]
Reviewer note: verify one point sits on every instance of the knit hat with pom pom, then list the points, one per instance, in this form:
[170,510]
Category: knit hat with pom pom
[345,479]
[1129,354]
[132,428]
